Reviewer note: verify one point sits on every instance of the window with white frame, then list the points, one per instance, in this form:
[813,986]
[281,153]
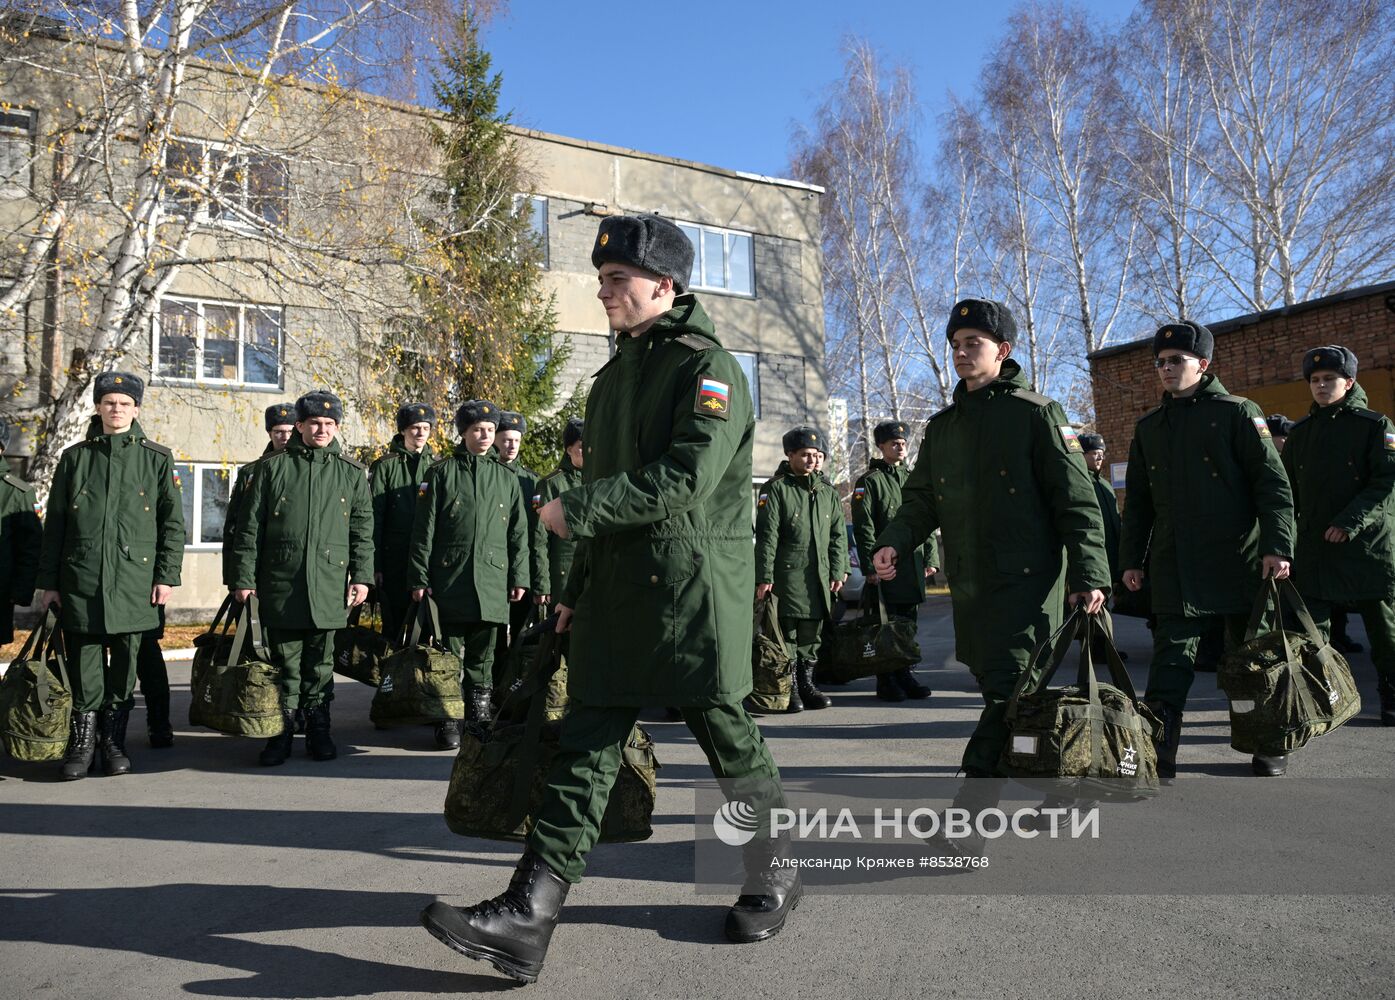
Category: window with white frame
[537,219]
[235,187]
[750,364]
[225,343]
[723,259]
[16,149]
[206,488]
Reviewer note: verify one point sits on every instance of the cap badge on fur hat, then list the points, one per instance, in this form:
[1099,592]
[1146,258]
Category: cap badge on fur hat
[327,405]
[605,238]
[963,310]
[117,380]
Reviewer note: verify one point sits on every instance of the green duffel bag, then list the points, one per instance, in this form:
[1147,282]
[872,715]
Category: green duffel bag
[360,648]
[1284,687]
[872,644]
[36,698]
[233,686]
[1097,737]
[420,683]
[497,781]
[772,666]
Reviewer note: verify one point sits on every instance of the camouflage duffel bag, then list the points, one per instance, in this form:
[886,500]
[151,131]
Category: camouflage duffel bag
[522,658]
[1094,736]
[36,698]
[873,644]
[419,683]
[1284,687]
[772,667]
[360,648]
[497,781]
[233,686]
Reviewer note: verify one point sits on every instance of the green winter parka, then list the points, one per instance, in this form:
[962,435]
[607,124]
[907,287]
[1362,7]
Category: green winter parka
[394,481]
[663,577]
[876,497]
[1340,460]
[470,538]
[21,540]
[115,528]
[801,544]
[1206,484]
[528,486]
[305,535]
[1001,474]
[236,498]
[1109,513]
[553,555]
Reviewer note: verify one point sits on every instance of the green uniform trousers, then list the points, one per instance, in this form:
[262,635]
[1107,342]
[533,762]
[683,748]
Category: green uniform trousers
[102,680]
[1379,619]
[588,760]
[1175,642]
[804,636]
[151,672]
[306,659]
[473,642]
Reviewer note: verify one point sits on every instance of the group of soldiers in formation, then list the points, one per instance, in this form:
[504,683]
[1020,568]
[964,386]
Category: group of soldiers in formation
[641,542]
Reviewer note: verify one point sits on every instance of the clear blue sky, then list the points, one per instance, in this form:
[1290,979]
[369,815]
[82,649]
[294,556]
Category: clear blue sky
[721,81]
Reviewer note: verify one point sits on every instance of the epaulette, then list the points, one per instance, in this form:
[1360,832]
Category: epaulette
[17,483]
[551,475]
[1035,398]
[1227,398]
[942,412]
[157,448]
[1372,415]
[1151,413]
[1300,421]
[696,342]
[354,462]
[606,365]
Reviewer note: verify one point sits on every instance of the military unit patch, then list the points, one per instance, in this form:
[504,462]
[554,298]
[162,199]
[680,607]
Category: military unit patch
[762,500]
[537,501]
[713,398]
[1068,436]
[421,489]
[39,508]
[859,492]
[1390,441]
[1261,426]
[177,484]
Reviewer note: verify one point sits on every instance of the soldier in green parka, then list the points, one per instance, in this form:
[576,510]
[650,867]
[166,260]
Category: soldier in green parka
[876,497]
[1094,449]
[469,551]
[1001,473]
[21,538]
[395,479]
[304,546]
[658,602]
[112,553]
[554,554]
[507,442]
[1340,459]
[1206,497]
[279,421]
[802,555]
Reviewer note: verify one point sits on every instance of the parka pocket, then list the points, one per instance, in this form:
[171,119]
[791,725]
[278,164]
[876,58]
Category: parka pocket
[1023,563]
[660,563]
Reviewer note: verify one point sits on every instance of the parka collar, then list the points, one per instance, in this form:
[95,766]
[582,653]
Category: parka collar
[1008,379]
[94,430]
[1356,399]
[399,447]
[297,447]
[1210,386]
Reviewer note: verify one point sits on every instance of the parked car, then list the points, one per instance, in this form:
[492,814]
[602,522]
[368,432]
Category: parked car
[851,594]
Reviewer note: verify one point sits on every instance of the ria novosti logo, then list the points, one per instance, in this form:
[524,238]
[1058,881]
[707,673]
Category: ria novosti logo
[735,823]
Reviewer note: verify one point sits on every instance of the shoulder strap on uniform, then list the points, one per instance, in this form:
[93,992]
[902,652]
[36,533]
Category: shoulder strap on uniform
[1227,398]
[1035,398]
[551,475]
[1301,421]
[18,483]
[1151,413]
[695,342]
[943,412]
[354,462]
[158,448]
[1371,415]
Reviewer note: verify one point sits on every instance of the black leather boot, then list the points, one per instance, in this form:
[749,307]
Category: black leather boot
[300,721]
[318,743]
[910,687]
[1387,706]
[448,735]
[888,689]
[1171,739]
[157,721]
[813,698]
[82,745]
[480,711]
[511,931]
[111,740]
[278,749]
[770,894]
[796,703]
[1269,766]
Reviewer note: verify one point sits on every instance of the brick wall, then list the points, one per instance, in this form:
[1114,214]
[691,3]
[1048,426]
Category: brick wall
[1258,356]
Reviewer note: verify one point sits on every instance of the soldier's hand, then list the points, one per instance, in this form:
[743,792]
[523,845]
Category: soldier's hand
[241,596]
[542,598]
[516,594]
[159,594]
[419,593]
[835,585]
[1335,535]
[930,571]
[564,618]
[358,593]
[1092,600]
[51,599]
[1133,579]
[884,563]
[1277,567]
[551,516]
[763,588]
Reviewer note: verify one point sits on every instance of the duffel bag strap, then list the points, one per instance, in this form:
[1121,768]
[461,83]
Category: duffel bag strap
[531,748]
[55,655]
[544,665]
[1288,592]
[881,605]
[1046,660]
[768,621]
[249,629]
[37,647]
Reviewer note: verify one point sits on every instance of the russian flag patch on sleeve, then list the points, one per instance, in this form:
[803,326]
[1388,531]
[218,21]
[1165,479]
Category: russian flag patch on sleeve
[713,398]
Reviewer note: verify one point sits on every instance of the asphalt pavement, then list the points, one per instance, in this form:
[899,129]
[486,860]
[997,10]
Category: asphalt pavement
[204,874]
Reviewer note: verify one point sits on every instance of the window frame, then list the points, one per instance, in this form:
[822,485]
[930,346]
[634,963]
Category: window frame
[753,379]
[28,136]
[545,234]
[175,202]
[158,376]
[196,471]
[696,282]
